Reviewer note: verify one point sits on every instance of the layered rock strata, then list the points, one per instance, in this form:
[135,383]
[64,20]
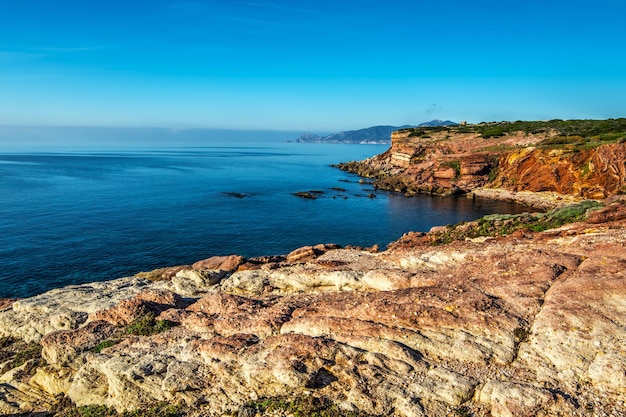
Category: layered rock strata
[523,325]
[449,163]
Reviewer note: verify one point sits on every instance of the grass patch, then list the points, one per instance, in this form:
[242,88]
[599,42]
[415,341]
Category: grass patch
[300,407]
[161,409]
[148,325]
[504,224]
[31,351]
[15,353]
[103,345]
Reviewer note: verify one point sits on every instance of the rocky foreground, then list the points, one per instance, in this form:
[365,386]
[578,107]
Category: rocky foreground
[528,324]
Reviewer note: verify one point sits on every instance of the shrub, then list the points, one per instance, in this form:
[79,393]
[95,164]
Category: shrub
[494,132]
[147,325]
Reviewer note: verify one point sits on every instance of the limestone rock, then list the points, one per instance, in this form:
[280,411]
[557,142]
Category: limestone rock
[66,308]
[513,400]
[190,282]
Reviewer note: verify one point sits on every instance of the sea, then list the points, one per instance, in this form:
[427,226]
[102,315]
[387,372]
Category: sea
[78,215]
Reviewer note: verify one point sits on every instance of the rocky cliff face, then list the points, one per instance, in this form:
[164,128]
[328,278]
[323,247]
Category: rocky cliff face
[447,163]
[595,173]
[525,325]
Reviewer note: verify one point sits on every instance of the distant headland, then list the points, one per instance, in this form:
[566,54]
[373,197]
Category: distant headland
[371,135]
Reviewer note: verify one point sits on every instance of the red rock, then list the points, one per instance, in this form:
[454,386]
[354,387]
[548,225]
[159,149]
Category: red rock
[302,254]
[61,348]
[611,212]
[6,303]
[220,263]
[131,309]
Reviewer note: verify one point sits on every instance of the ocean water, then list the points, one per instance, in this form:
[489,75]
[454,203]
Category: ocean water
[90,215]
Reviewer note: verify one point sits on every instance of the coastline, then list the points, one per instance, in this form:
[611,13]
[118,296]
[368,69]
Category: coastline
[423,330]
[505,315]
[545,200]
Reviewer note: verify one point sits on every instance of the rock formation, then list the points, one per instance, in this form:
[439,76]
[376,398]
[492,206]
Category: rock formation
[449,162]
[520,325]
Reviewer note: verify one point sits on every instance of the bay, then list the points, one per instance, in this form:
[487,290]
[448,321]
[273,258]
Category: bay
[82,215]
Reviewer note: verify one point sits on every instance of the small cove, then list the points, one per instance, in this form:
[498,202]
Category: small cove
[81,215]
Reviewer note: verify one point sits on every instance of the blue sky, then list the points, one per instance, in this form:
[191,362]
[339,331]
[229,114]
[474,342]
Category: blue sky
[308,65]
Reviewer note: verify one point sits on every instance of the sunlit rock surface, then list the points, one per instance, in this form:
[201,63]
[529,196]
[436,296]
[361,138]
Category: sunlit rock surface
[524,325]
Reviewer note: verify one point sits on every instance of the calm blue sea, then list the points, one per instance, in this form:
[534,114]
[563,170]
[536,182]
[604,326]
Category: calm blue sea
[79,216]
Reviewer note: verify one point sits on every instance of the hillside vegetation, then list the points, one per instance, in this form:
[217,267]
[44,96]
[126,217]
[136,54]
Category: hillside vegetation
[559,133]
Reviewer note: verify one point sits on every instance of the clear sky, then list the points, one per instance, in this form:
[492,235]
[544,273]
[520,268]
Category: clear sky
[310,65]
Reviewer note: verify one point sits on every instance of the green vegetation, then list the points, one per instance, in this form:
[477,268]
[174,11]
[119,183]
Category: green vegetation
[605,130]
[504,224]
[16,353]
[147,325]
[572,134]
[493,132]
[103,345]
[420,132]
[89,411]
[31,351]
[301,407]
[158,410]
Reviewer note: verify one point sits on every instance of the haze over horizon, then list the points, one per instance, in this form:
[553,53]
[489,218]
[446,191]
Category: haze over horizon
[316,66]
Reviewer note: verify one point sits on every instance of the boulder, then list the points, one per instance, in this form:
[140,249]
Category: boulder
[220,263]
[191,282]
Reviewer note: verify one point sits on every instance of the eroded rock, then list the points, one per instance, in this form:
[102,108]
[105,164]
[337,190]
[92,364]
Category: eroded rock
[522,325]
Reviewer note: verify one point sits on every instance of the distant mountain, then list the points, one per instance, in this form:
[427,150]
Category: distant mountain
[370,135]
[437,122]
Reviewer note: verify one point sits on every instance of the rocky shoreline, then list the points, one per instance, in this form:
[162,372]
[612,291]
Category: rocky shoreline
[449,163]
[508,315]
[527,324]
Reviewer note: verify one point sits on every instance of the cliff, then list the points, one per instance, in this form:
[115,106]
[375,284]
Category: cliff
[459,160]
[532,323]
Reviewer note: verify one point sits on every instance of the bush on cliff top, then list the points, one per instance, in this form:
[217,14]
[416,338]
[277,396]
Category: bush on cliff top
[577,133]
